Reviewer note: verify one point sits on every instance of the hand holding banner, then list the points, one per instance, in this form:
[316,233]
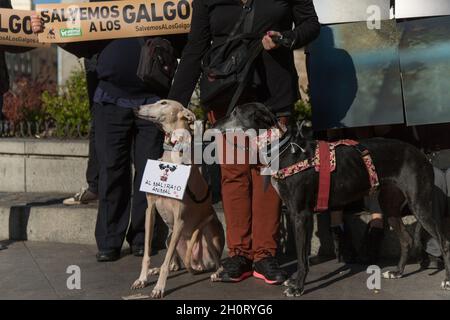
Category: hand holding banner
[114,19]
[15,29]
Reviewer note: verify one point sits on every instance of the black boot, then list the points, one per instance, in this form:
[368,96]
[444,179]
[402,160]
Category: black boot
[343,244]
[371,245]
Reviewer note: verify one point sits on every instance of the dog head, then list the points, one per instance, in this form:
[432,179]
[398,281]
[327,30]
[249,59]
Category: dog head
[169,114]
[248,116]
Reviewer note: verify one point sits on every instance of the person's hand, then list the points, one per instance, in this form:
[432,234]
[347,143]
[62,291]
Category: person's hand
[36,24]
[268,42]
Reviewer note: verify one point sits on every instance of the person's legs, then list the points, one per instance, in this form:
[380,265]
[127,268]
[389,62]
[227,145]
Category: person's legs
[148,142]
[113,139]
[430,245]
[237,207]
[92,170]
[92,167]
[373,237]
[342,237]
[266,209]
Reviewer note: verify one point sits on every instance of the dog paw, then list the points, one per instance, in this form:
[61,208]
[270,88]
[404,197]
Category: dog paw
[153,271]
[392,275]
[289,282]
[157,293]
[174,266]
[293,292]
[139,284]
[215,277]
[445,285]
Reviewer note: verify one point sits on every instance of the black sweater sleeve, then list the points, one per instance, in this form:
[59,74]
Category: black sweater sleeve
[307,26]
[189,70]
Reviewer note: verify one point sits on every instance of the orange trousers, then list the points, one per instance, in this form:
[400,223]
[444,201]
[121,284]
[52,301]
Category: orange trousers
[252,214]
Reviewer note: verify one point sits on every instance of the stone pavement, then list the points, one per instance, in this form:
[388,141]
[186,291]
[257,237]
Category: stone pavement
[43,217]
[37,270]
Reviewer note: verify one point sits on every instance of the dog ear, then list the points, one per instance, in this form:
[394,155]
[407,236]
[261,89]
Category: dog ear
[305,129]
[189,116]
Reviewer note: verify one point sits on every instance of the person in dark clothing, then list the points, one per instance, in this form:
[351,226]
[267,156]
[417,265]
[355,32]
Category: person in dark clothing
[120,138]
[252,213]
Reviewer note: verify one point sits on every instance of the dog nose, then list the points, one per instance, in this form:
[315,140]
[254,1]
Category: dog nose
[137,110]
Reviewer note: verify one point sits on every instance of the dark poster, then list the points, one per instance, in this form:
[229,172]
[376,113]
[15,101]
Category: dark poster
[355,77]
[425,65]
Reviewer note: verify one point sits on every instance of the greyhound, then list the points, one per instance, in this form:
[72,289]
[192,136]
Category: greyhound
[404,174]
[197,234]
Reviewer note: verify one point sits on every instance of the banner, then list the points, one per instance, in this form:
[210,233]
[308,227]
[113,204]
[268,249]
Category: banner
[15,29]
[165,179]
[114,19]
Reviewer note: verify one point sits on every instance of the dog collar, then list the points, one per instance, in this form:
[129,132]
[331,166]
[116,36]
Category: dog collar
[267,139]
[173,142]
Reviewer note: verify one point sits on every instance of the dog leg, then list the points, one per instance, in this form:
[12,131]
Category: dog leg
[405,245]
[158,290]
[302,224]
[435,229]
[213,248]
[150,215]
[174,266]
[391,200]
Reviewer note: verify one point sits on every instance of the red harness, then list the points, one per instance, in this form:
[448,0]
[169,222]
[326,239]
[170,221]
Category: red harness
[324,162]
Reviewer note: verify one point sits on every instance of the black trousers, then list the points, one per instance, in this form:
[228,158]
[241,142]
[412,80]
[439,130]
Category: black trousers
[92,170]
[92,165]
[121,138]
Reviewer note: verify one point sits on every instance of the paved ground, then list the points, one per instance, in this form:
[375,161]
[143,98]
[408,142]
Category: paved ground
[37,270]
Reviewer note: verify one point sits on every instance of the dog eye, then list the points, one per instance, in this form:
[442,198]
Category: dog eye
[164,102]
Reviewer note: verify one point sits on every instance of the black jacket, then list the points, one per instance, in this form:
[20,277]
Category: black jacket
[4,78]
[213,20]
[117,63]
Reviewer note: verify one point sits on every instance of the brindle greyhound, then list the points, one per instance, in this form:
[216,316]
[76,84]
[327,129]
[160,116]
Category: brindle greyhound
[404,173]
[197,234]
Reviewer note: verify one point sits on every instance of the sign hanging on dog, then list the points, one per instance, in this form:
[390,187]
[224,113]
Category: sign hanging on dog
[113,19]
[165,179]
[15,29]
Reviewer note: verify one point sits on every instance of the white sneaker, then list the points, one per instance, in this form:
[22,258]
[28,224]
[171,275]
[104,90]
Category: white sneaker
[83,197]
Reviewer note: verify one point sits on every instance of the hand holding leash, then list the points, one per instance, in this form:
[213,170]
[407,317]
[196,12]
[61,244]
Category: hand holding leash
[273,40]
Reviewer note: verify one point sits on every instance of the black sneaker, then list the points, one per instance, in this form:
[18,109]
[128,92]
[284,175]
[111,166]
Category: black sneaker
[108,255]
[432,262]
[269,270]
[234,269]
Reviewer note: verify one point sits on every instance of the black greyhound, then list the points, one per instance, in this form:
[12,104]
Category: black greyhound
[404,174]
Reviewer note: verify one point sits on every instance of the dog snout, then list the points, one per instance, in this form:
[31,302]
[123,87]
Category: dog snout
[137,110]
